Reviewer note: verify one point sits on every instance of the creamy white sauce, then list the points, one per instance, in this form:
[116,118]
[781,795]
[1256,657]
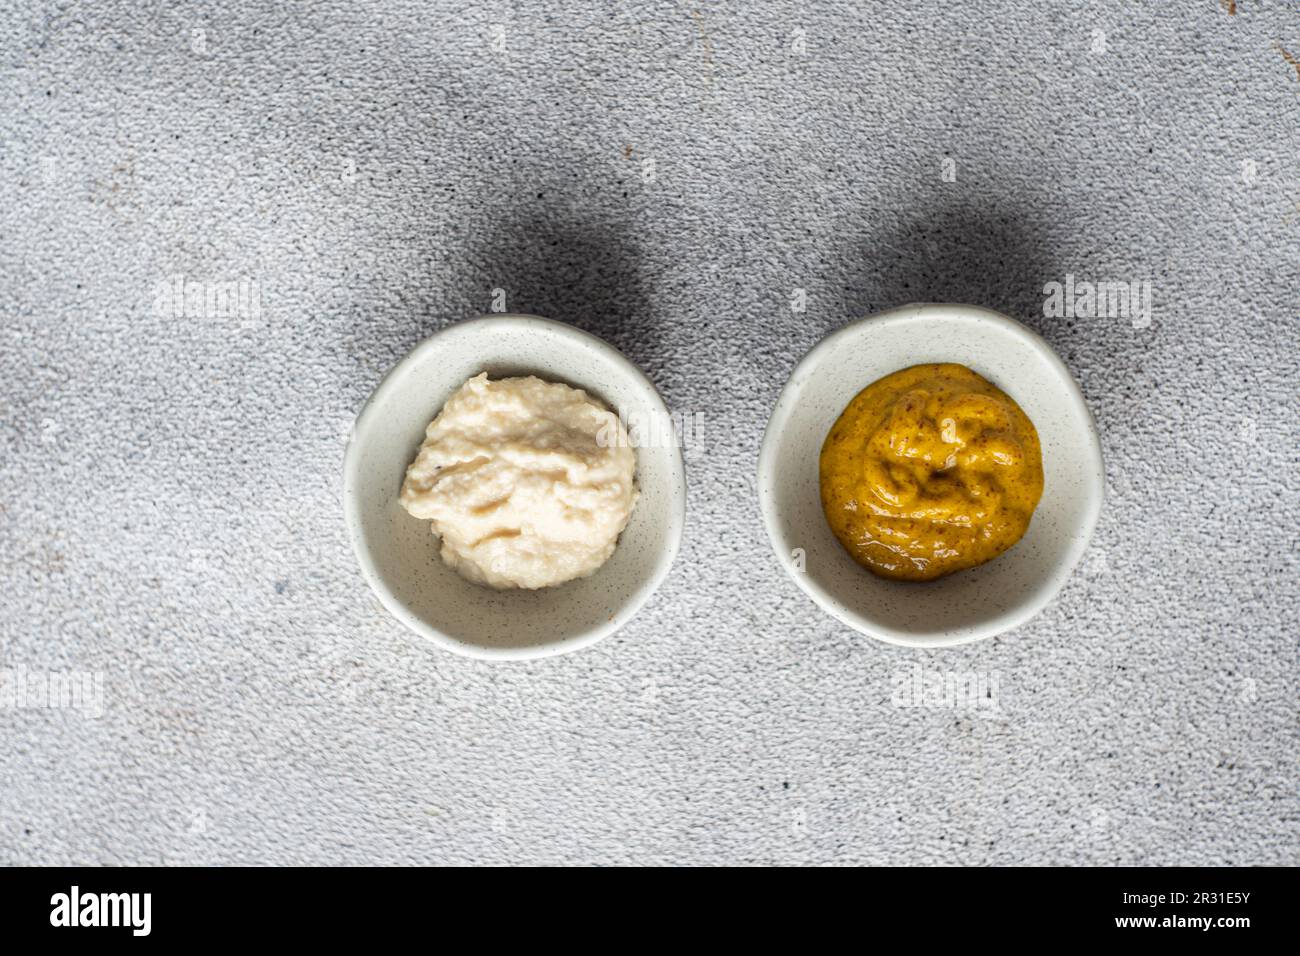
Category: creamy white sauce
[528,483]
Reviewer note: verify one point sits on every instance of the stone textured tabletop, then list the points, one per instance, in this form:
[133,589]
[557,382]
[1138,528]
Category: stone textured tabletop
[712,188]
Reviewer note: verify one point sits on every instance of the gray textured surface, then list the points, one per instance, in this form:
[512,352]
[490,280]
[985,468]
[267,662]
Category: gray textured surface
[167,506]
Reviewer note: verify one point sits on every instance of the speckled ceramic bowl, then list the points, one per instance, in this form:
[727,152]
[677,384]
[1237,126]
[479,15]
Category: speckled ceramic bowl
[399,554]
[972,604]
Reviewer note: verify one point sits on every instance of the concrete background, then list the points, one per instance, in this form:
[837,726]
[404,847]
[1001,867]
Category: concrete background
[667,176]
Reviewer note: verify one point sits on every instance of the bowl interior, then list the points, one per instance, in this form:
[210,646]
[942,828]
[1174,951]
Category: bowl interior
[399,553]
[970,604]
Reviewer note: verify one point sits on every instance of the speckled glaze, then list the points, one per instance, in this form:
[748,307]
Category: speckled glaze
[398,553]
[972,604]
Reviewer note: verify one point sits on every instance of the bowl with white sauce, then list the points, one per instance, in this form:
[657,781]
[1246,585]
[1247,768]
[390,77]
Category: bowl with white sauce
[492,515]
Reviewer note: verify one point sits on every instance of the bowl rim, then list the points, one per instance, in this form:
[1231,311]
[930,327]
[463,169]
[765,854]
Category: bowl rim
[1008,619]
[369,414]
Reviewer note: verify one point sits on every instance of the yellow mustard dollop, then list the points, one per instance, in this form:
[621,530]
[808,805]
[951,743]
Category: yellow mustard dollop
[930,470]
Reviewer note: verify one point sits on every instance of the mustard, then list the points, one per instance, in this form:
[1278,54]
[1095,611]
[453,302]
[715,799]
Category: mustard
[928,471]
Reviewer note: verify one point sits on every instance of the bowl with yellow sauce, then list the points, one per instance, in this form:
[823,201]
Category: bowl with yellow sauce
[931,475]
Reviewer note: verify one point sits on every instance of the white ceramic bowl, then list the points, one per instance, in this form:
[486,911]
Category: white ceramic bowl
[972,604]
[399,554]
